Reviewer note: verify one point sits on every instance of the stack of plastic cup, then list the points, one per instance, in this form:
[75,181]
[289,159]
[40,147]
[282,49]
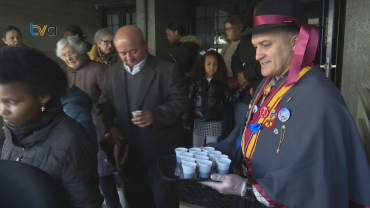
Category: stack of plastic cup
[204,168]
[223,165]
[194,150]
[189,169]
[178,151]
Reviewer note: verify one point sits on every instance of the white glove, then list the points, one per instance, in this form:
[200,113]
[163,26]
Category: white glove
[228,184]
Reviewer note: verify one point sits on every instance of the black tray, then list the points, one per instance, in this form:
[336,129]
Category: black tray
[171,170]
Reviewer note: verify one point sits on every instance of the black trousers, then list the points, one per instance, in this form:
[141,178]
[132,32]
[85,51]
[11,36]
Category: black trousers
[143,188]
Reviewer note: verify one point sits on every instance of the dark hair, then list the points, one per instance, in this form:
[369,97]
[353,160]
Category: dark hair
[74,29]
[34,69]
[9,28]
[237,24]
[177,26]
[198,70]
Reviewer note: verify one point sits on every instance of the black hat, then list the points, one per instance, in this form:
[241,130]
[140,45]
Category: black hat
[277,13]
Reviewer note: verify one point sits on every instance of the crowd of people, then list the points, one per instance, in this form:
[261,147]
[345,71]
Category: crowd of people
[118,108]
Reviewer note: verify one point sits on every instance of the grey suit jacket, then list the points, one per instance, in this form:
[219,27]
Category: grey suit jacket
[162,92]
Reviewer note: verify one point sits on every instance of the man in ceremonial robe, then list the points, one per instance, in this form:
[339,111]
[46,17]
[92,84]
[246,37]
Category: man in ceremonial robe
[298,145]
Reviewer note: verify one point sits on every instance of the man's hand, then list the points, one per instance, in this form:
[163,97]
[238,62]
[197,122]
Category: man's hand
[143,119]
[241,79]
[113,136]
[227,184]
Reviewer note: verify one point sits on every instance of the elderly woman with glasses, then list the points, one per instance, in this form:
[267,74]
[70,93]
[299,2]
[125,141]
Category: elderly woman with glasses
[88,75]
[103,50]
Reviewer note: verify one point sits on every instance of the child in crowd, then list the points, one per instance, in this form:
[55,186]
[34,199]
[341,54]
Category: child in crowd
[207,91]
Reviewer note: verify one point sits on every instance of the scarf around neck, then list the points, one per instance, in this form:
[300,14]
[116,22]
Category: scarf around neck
[108,59]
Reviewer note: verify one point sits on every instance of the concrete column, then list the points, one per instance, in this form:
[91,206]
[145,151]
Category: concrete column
[151,28]
[356,58]
[141,16]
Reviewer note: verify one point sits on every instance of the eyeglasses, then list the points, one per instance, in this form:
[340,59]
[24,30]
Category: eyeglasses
[229,29]
[107,42]
[69,54]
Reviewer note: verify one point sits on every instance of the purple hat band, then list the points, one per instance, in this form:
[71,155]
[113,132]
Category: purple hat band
[306,46]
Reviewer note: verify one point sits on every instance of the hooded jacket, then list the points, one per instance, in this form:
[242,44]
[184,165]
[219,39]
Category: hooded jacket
[184,52]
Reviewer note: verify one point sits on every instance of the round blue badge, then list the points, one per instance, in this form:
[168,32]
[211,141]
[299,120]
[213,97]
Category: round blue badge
[284,114]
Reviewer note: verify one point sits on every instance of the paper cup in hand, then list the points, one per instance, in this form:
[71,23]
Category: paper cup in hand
[178,151]
[135,112]
[188,169]
[204,168]
[223,166]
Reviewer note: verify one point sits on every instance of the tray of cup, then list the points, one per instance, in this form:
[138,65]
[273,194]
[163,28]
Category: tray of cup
[193,166]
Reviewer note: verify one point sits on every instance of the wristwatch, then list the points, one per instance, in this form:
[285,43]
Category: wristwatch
[248,193]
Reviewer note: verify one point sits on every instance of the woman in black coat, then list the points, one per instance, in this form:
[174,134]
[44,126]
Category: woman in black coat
[184,51]
[38,132]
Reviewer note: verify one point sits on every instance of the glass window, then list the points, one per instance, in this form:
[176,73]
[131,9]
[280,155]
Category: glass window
[133,15]
[128,19]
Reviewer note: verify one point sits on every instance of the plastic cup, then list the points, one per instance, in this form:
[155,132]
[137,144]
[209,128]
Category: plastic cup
[223,166]
[195,149]
[187,154]
[187,159]
[221,156]
[201,153]
[201,157]
[178,151]
[189,169]
[205,168]
[135,112]
[207,149]
[200,160]
[212,155]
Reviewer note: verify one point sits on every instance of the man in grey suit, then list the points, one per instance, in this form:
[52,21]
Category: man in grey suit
[154,87]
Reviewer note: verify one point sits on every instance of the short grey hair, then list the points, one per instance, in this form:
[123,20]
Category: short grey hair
[100,33]
[73,41]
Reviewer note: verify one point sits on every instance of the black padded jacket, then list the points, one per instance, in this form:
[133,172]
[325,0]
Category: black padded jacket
[207,99]
[64,150]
